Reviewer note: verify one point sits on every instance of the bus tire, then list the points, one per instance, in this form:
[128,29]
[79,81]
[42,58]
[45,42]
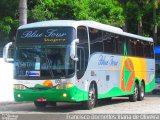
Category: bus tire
[134,96]
[40,104]
[141,92]
[92,97]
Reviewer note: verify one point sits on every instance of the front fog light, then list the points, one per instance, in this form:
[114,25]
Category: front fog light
[64,86]
[19,87]
[64,95]
[19,95]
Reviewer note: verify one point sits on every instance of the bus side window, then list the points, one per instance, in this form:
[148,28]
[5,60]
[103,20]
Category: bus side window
[129,45]
[109,42]
[152,50]
[120,44]
[96,43]
[147,50]
[139,48]
[114,44]
[82,51]
[132,47]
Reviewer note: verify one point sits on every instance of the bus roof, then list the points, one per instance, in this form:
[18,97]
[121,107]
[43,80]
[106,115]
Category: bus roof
[75,24]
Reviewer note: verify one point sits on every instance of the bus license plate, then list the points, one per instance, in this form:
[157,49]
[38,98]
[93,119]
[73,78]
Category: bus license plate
[41,99]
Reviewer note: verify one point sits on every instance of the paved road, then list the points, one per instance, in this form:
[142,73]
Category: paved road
[151,104]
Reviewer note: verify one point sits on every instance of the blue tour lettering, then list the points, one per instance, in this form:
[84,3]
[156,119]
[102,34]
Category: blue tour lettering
[52,33]
[31,34]
[49,34]
[102,60]
[109,62]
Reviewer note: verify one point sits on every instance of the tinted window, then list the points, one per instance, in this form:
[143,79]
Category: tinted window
[139,48]
[147,49]
[131,48]
[120,44]
[152,50]
[109,42]
[96,43]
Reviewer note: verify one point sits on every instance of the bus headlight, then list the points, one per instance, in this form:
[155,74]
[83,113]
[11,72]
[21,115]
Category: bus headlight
[19,87]
[64,86]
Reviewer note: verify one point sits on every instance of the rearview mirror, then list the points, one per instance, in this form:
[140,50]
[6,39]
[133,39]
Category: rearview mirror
[8,52]
[73,49]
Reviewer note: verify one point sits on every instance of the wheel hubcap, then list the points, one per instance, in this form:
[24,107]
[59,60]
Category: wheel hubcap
[92,97]
[142,91]
[136,92]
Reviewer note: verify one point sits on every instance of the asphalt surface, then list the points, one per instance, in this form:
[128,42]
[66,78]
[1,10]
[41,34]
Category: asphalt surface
[118,105]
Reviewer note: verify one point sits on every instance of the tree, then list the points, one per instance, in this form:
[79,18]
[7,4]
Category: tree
[134,14]
[123,4]
[138,16]
[155,4]
[23,12]
[8,20]
[106,12]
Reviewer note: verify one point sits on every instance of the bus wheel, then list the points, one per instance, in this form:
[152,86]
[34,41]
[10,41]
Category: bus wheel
[40,104]
[141,92]
[134,96]
[91,98]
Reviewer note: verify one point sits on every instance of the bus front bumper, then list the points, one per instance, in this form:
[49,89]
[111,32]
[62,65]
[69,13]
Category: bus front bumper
[58,95]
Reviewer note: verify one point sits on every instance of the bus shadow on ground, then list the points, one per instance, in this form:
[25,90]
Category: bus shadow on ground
[155,93]
[113,101]
[70,107]
[62,107]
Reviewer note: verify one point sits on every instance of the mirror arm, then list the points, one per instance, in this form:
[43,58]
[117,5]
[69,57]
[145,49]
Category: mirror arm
[6,52]
[73,49]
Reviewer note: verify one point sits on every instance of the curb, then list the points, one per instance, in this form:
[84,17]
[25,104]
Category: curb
[7,103]
[11,102]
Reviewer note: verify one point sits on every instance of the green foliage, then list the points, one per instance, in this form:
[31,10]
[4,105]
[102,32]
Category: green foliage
[5,25]
[106,12]
[9,8]
[51,10]
[8,28]
[101,11]
[113,12]
[8,19]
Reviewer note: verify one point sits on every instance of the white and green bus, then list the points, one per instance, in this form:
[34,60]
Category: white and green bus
[80,61]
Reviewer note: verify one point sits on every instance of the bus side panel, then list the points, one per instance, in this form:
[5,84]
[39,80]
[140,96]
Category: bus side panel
[133,69]
[150,82]
[105,70]
[115,75]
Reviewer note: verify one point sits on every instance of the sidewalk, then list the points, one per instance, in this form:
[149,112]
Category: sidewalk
[6,80]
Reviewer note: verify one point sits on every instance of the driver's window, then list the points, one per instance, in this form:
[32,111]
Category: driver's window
[82,51]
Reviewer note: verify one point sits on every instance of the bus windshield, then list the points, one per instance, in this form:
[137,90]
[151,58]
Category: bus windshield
[43,61]
[44,53]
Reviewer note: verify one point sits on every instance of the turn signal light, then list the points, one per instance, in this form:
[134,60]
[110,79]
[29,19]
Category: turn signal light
[64,86]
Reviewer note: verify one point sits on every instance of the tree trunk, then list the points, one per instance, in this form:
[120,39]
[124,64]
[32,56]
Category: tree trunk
[155,34]
[155,24]
[140,26]
[125,26]
[23,12]
[125,14]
